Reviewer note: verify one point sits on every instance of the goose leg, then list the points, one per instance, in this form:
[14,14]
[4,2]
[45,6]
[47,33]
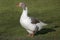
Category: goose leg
[31,35]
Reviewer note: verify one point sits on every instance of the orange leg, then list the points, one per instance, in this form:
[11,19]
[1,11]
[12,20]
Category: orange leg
[31,35]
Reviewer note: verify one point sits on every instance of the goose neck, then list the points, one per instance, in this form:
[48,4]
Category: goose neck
[24,13]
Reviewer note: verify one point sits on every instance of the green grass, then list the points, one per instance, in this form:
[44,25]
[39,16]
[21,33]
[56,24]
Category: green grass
[45,10]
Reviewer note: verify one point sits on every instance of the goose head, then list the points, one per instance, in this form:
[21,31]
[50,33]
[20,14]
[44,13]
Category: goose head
[21,4]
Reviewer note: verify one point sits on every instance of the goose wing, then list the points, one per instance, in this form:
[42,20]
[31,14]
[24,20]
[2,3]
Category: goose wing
[34,20]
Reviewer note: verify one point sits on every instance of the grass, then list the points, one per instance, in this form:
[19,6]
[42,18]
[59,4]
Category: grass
[45,10]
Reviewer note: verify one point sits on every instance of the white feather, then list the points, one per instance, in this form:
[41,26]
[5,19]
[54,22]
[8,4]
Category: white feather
[26,22]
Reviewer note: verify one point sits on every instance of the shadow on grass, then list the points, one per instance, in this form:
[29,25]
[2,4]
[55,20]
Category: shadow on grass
[45,31]
[57,26]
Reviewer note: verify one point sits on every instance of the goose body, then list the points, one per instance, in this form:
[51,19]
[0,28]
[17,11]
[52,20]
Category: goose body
[25,21]
[32,25]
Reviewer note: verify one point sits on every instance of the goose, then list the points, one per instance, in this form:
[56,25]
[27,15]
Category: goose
[32,25]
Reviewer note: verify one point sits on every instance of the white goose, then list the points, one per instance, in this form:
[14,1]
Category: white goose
[32,25]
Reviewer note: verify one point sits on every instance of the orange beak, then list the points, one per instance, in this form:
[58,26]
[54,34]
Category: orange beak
[17,4]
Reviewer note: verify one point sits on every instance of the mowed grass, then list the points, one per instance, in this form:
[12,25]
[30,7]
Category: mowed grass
[45,10]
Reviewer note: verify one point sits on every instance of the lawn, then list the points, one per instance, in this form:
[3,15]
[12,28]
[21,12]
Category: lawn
[46,10]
